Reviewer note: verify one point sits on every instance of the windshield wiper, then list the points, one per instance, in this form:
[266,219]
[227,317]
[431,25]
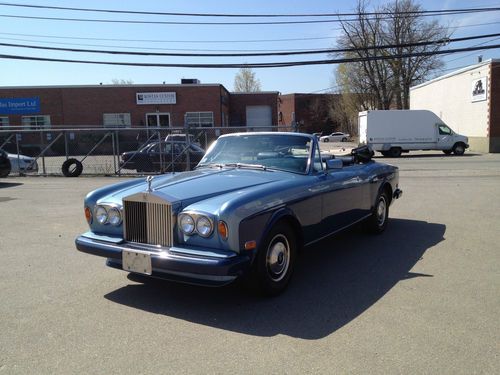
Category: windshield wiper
[233,165]
[244,165]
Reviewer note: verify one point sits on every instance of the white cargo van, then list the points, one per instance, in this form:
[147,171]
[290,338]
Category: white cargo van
[392,132]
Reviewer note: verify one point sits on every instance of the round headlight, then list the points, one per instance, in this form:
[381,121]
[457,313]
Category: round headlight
[114,217]
[204,226]
[101,215]
[186,223]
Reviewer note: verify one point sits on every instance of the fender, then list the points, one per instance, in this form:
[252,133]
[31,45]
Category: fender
[257,227]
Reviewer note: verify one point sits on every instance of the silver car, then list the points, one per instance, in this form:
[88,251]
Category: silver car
[335,137]
[22,163]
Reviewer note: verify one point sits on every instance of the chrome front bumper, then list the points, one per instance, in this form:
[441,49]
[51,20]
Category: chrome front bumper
[194,266]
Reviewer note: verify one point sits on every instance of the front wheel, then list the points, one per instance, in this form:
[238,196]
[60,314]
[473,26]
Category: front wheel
[377,222]
[447,152]
[459,149]
[326,140]
[275,260]
[344,139]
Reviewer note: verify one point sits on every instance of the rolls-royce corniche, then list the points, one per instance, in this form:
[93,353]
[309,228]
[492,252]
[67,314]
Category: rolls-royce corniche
[253,201]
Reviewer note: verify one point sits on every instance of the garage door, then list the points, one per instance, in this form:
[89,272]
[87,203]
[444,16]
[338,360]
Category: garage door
[259,116]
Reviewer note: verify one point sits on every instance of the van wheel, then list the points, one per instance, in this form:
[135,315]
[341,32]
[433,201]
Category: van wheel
[72,168]
[448,152]
[459,149]
[395,152]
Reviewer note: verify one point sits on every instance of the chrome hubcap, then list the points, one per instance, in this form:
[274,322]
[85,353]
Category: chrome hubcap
[381,211]
[278,257]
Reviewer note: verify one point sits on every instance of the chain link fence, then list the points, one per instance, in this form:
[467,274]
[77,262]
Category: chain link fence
[109,151]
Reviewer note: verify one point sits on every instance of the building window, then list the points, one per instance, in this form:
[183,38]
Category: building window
[4,121]
[116,120]
[200,119]
[158,119]
[36,122]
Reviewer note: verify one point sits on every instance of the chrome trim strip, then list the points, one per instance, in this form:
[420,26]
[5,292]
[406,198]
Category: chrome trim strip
[338,230]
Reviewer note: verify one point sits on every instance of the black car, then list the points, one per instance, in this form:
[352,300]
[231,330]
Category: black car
[5,166]
[162,157]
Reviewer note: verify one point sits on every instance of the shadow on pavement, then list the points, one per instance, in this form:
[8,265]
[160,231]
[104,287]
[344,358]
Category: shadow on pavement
[9,184]
[335,281]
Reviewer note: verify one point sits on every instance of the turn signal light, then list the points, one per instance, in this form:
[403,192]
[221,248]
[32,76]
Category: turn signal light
[88,215]
[222,228]
[250,245]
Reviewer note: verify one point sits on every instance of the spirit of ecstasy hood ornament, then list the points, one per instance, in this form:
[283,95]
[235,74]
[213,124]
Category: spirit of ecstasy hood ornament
[149,179]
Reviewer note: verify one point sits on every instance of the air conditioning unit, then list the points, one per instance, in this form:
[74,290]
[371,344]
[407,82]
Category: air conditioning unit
[190,81]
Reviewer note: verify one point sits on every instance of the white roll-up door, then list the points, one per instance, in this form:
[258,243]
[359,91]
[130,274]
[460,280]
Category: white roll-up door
[259,116]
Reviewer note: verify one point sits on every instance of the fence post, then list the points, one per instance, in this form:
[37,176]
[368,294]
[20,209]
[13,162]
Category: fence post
[114,150]
[188,143]
[66,145]
[18,156]
[160,151]
[118,150]
[42,143]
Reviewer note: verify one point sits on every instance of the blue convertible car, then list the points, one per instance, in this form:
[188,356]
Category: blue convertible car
[251,203]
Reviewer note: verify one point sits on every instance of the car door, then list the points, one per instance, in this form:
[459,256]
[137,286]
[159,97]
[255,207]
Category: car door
[345,200]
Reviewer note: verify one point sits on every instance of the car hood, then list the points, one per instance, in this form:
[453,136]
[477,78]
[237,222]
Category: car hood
[200,184]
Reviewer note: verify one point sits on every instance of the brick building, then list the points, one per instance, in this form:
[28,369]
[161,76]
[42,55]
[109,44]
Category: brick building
[168,105]
[311,112]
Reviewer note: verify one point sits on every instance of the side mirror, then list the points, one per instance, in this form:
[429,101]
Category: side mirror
[334,164]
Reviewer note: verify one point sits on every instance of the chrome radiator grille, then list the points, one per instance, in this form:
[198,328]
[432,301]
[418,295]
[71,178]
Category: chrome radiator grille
[148,222]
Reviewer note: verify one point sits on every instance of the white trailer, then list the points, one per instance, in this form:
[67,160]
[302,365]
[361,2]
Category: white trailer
[392,132]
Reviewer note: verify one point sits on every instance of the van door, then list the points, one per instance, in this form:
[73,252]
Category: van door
[444,137]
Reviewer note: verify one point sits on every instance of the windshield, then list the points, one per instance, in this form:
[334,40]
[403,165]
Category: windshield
[273,151]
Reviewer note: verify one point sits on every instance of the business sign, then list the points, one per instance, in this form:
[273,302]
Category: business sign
[156,98]
[20,106]
[479,90]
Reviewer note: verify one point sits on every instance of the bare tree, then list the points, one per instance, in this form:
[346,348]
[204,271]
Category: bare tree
[245,81]
[387,81]
[116,81]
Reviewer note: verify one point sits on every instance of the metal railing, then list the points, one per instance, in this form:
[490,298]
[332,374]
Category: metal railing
[109,151]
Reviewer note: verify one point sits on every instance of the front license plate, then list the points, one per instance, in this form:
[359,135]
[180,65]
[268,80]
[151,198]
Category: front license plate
[138,262]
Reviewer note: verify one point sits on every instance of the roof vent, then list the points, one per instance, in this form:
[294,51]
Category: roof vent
[190,81]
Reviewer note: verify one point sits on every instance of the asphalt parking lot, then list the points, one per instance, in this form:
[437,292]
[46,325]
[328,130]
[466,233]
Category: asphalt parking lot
[421,298]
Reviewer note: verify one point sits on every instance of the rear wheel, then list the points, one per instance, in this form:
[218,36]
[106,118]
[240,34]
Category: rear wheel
[459,149]
[395,152]
[377,222]
[448,152]
[273,266]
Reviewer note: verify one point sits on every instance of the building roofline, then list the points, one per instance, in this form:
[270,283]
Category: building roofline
[253,93]
[152,85]
[456,72]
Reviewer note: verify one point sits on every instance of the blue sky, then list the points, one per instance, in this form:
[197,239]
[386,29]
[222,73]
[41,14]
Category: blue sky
[285,80]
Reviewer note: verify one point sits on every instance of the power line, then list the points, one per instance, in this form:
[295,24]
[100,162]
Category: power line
[254,54]
[202,41]
[115,11]
[255,65]
[338,20]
